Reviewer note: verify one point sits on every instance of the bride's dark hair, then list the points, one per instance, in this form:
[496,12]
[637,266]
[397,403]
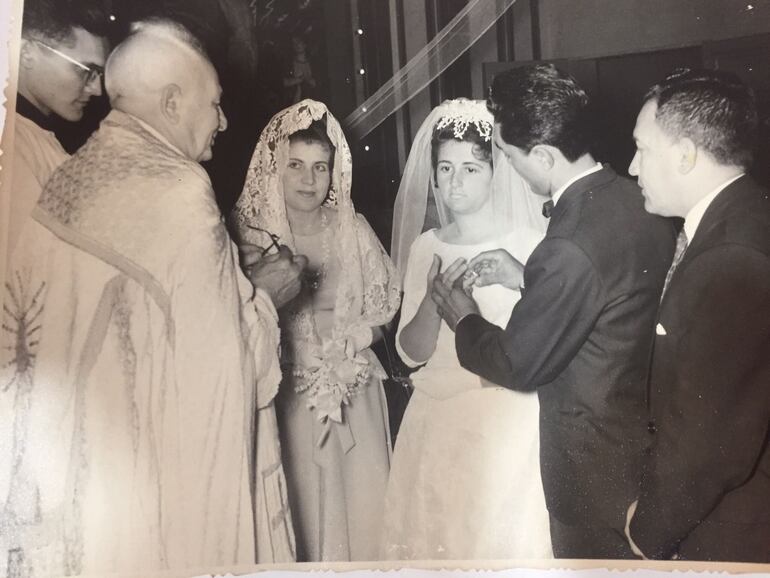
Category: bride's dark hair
[316,134]
[482,148]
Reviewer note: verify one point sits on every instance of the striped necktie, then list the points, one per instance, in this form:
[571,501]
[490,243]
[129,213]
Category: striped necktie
[681,247]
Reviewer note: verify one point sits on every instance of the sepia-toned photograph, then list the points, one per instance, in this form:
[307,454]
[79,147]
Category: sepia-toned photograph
[291,284]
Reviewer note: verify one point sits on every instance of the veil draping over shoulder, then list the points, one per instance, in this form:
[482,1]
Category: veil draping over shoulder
[514,203]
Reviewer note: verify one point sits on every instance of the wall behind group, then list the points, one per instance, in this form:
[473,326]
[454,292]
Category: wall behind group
[597,28]
[594,28]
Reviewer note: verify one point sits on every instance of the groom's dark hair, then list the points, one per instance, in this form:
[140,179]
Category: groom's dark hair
[541,105]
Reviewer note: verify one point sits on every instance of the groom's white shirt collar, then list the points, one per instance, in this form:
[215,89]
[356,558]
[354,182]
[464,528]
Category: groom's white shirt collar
[560,191]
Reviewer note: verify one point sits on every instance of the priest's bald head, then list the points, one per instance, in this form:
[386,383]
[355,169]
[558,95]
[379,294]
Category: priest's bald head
[161,75]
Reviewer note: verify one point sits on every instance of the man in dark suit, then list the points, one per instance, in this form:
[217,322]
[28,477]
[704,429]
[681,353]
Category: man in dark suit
[706,489]
[581,334]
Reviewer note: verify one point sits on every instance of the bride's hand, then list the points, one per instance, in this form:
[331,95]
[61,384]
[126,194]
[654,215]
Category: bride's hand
[435,267]
[456,273]
[453,300]
[427,303]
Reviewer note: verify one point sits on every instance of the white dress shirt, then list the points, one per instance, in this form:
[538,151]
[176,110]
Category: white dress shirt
[693,218]
[560,191]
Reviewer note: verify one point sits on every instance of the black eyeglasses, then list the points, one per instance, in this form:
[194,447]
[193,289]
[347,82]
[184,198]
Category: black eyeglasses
[91,73]
[274,239]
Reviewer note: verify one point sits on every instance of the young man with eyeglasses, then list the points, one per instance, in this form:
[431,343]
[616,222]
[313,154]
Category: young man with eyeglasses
[60,68]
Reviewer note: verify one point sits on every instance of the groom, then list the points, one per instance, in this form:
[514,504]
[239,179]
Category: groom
[581,334]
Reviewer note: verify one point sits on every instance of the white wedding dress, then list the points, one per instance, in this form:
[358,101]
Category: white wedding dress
[465,475]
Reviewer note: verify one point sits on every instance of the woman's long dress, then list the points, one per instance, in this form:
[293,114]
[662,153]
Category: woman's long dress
[465,477]
[336,490]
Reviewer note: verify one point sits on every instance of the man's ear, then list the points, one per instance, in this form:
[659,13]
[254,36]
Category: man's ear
[543,155]
[688,155]
[171,102]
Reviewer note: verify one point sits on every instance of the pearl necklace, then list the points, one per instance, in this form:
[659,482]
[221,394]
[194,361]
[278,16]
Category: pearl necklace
[315,280]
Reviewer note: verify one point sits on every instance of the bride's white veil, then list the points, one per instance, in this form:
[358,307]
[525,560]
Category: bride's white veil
[514,203]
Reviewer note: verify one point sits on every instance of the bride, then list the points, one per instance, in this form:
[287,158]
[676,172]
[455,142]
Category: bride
[465,476]
[331,408]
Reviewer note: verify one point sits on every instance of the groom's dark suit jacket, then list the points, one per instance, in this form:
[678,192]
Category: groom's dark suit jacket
[706,488]
[581,336]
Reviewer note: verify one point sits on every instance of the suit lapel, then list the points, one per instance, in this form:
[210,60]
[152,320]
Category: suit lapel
[735,194]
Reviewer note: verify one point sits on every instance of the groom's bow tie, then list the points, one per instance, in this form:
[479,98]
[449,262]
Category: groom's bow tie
[547,209]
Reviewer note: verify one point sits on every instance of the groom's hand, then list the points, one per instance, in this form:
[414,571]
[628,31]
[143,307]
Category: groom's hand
[497,267]
[453,301]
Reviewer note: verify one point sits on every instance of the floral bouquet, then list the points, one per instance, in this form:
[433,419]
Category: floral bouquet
[331,372]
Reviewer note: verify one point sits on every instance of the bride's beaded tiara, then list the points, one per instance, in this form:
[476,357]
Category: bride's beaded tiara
[461,113]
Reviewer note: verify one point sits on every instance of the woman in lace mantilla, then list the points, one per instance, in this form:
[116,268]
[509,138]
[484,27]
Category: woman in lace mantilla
[331,406]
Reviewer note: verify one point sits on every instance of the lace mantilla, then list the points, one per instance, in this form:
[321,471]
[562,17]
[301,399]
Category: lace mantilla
[261,203]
